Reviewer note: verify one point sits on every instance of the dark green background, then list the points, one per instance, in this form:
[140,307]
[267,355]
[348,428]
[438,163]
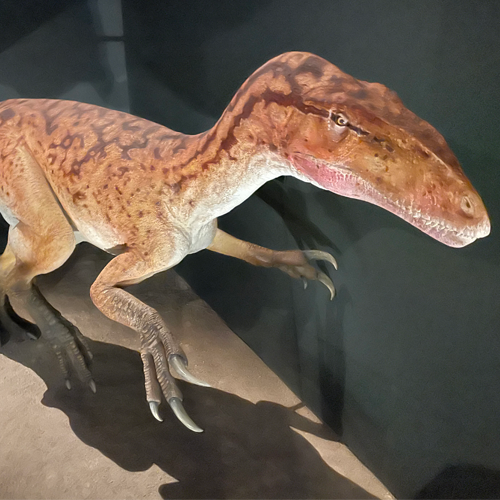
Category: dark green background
[405,363]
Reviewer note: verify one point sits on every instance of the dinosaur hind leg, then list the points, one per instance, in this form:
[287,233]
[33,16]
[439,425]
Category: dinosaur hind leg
[160,352]
[40,240]
[11,324]
[40,254]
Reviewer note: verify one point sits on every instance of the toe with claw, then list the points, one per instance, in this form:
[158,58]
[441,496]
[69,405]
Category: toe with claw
[159,355]
[180,365]
[154,407]
[181,414]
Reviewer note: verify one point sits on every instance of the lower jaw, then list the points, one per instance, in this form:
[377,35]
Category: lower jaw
[447,237]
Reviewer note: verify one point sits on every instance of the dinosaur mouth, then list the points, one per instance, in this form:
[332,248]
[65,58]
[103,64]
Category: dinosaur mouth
[437,228]
[345,182]
[434,226]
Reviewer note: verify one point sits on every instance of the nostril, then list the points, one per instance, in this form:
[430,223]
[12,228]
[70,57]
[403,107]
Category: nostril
[467,205]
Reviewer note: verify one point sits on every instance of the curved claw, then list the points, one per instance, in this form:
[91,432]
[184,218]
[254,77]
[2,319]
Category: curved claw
[323,278]
[180,413]
[153,406]
[92,386]
[180,367]
[31,336]
[320,255]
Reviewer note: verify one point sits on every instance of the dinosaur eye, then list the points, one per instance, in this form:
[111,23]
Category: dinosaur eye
[340,120]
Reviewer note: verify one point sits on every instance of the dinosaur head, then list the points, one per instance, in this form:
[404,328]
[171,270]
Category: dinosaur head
[357,139]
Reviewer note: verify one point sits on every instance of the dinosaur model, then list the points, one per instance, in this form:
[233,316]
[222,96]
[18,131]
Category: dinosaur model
[72,172]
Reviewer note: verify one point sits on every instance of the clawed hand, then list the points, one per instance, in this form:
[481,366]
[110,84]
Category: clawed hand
[307,272]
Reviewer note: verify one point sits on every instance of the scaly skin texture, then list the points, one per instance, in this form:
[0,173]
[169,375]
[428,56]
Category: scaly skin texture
[151,195]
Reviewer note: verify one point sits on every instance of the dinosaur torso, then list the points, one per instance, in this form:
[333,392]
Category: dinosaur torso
[118,177]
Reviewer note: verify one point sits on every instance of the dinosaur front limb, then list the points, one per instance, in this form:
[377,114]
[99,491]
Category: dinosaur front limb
[160,352]
[293,262]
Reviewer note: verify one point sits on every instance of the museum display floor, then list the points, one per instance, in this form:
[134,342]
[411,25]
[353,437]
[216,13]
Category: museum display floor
[259,440]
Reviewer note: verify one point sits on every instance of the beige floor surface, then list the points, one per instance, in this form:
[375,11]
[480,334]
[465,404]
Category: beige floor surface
[259,441]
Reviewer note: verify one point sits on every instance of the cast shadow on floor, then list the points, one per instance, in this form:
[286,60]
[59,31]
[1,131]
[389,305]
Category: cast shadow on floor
[247,450]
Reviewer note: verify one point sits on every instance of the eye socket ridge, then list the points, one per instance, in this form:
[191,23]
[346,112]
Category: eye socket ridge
[340,120]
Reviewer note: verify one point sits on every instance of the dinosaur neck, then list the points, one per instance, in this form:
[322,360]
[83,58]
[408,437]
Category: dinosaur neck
[235,158]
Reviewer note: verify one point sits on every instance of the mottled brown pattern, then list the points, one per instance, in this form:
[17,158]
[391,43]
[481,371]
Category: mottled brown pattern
[88,149]
[84,149]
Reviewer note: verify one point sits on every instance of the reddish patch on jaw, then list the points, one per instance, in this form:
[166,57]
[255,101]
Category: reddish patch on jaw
[327,177]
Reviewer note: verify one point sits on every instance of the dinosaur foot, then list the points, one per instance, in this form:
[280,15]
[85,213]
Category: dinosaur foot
[14,326]
[296,264]
[158,377]
[69,345]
